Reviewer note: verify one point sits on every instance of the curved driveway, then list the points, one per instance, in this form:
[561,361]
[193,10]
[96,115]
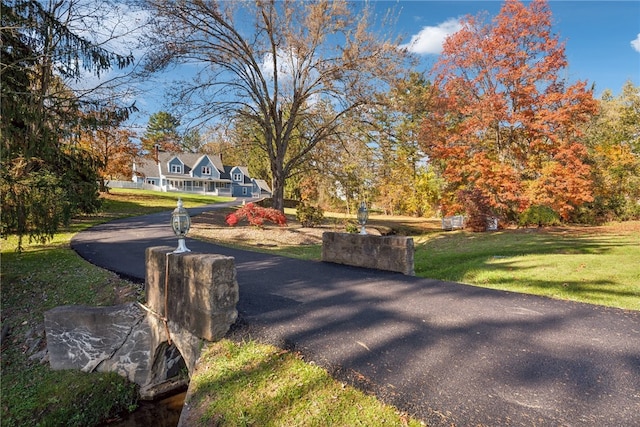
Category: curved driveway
[449,353]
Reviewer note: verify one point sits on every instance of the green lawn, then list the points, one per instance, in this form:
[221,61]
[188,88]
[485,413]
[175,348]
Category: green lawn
[578,265]
[251,384]
[124,202]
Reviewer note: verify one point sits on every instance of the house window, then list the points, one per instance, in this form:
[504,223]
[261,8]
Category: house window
[244,191]
[206,170]
[237,177]
[176,168]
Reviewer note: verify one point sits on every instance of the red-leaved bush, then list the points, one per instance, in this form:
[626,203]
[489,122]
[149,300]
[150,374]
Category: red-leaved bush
[256,215]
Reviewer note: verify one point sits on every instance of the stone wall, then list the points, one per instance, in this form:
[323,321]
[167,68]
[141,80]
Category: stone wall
[391,253]
[134,340]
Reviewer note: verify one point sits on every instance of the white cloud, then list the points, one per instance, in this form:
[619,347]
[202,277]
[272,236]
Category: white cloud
[287,64]
[430,39]
[635,44]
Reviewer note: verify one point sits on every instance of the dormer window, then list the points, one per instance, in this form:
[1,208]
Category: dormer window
[206,170]
[237,177]
[176,168]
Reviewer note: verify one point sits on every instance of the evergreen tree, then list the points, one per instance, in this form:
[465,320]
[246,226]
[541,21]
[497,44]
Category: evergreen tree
[45,176]
[162,130]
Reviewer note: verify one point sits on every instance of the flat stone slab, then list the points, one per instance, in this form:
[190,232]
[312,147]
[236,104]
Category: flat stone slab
[81,337]
[125,339]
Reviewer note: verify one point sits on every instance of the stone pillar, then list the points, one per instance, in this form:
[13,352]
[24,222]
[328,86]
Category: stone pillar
[202,290]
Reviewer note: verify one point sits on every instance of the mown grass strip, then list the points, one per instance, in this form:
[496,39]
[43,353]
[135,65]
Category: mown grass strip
[255,384]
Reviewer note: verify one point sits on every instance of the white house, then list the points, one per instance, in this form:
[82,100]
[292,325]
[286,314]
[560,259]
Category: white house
[198,173]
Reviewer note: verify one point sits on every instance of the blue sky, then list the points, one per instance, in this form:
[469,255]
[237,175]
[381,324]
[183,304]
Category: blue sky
[602,39]
[600,35]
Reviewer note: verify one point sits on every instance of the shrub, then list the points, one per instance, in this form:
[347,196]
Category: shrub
[539,215]
[477,208]
[256,216]
[309,216]
[352,227]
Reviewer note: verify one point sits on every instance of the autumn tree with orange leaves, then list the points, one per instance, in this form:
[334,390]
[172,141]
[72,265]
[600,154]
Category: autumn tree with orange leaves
[110,145]
[505,129]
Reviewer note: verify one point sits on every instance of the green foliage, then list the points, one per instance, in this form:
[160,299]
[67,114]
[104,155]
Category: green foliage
[45,178]
[540,216]
[352,227]
[37,197]
[613,139]
[32,203]
[162,130]
[405,185]
[192,141]
[309,216]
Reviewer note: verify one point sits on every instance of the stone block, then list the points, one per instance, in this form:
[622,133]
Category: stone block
[202,290]
[87,338]
[390,253]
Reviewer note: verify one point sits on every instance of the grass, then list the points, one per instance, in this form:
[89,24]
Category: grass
[36,280]
[569,264]
[255,384]
[123,202]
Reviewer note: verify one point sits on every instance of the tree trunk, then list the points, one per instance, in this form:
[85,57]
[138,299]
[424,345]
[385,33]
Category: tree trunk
[278,191]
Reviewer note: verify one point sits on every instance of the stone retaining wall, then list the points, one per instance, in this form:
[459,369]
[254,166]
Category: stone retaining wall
[134,340]
[391,253]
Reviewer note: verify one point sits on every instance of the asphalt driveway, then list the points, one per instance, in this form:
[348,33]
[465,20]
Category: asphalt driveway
[448,353]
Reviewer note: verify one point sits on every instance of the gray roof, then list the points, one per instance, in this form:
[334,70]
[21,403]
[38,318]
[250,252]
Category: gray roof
[262,184]
[147,167]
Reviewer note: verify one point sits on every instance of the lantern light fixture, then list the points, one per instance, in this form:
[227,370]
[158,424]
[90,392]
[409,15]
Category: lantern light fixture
[180,222]
[363,216]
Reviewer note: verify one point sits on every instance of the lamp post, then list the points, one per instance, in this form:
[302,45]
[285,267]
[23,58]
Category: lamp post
[180,222]
[363,216]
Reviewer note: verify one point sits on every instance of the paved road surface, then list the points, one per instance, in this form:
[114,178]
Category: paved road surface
[449,353]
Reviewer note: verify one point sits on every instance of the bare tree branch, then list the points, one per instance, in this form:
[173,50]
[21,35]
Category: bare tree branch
[292,69]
